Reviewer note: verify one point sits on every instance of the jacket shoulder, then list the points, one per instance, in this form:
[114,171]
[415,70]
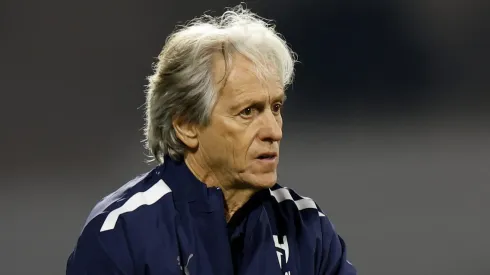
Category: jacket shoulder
[133,200]
[113,232]
[288,199]
[300,210]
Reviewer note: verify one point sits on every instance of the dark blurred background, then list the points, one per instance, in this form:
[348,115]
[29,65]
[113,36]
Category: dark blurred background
[387,126]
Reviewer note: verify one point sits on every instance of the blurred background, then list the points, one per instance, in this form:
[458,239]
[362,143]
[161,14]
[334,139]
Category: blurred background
[387,126]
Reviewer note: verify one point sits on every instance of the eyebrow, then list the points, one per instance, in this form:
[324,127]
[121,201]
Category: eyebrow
[253,102]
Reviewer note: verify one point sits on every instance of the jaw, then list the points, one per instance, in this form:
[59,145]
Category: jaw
[259,180]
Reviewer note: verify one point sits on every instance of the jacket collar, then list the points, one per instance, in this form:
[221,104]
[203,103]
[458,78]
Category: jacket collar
[187,188]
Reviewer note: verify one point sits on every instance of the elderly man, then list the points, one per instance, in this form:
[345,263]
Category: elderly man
[212,206]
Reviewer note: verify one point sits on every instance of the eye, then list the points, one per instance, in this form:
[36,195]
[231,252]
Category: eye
[276,108]
[247,112]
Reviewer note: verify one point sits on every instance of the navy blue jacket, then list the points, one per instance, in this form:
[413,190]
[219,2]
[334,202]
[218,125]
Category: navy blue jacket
[167,222]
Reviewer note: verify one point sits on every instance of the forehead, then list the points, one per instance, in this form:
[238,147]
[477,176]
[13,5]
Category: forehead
[243,80]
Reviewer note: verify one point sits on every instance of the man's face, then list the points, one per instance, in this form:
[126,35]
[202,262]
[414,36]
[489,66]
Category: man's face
[241,143]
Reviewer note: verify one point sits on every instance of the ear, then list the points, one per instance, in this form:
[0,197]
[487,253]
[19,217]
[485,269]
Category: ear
[186,132]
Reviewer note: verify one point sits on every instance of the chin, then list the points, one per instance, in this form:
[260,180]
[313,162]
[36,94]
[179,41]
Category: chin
[263,180]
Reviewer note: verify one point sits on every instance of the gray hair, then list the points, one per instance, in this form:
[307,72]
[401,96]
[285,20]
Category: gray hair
[182,83]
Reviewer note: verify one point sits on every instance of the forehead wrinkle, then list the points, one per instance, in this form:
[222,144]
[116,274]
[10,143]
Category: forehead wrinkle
[264,92]
[243,83]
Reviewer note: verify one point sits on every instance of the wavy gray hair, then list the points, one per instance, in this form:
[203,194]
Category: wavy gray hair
[182,84]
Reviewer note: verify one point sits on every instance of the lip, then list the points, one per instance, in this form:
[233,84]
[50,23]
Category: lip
[271,155]
[268,160]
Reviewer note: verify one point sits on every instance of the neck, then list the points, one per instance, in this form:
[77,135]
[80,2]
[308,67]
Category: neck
[234,197]
[234,200]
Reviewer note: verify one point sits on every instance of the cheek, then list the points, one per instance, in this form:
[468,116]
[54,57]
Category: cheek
[229,139]
[239,142]
[248,142]
[221,140]
[242,145]
[211,138]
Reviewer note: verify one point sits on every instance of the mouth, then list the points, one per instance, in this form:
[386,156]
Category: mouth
[267,156]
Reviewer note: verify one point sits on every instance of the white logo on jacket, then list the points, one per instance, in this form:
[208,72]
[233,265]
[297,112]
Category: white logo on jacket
[282,248]
[185,268]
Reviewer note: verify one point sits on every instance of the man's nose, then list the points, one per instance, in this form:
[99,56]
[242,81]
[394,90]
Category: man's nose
[271,130]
